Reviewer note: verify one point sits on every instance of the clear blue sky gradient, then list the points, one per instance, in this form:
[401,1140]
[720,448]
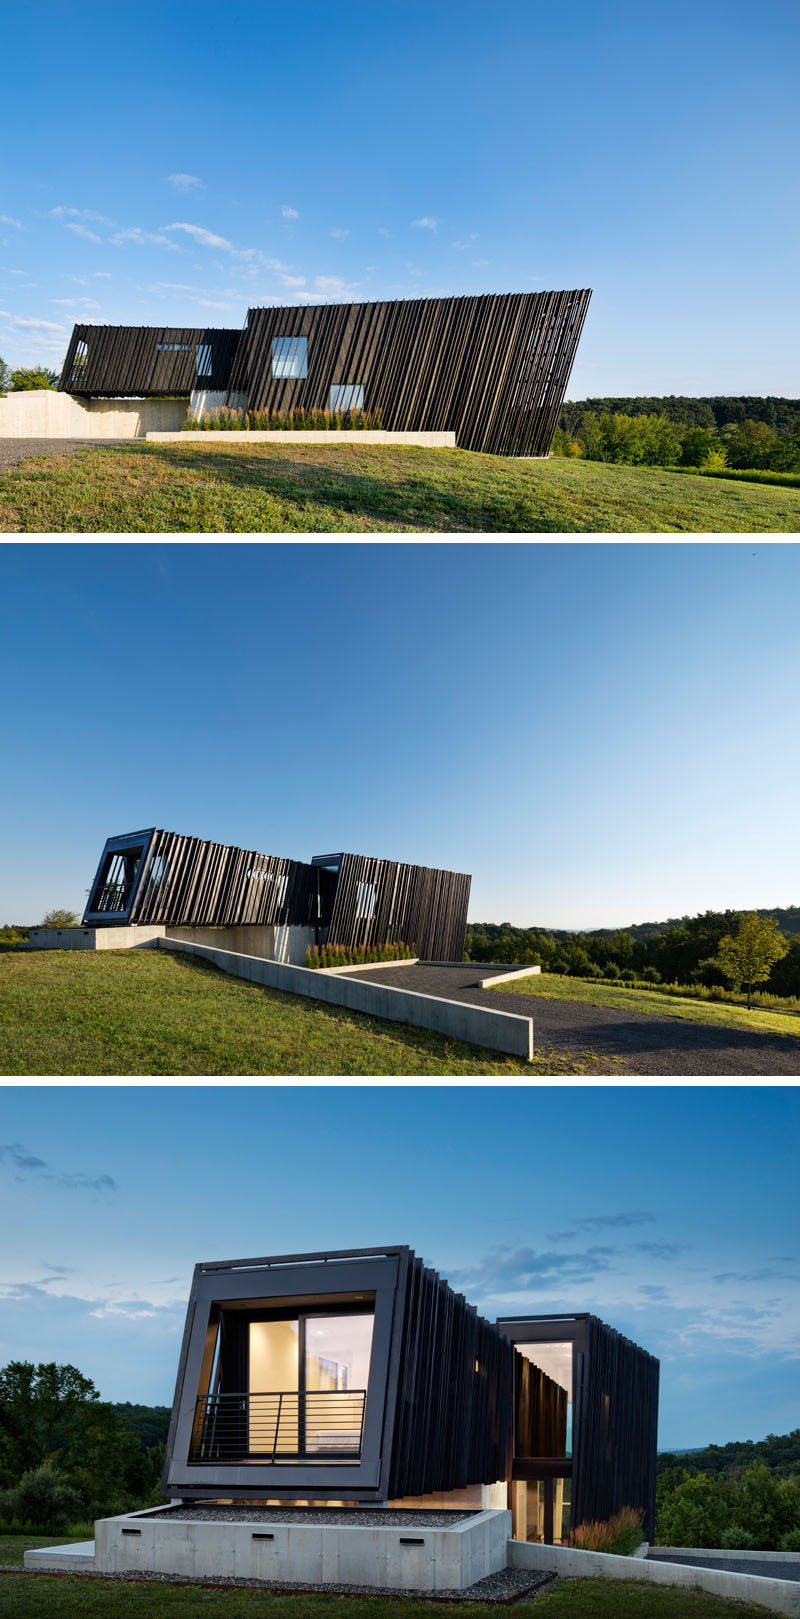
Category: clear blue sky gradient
[412,149]
[670,1213]
[600,734]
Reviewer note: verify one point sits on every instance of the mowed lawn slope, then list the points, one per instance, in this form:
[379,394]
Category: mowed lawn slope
[215,488]
[147,1012]
[592,992]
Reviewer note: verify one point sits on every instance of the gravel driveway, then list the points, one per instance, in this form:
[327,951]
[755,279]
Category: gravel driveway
[646,1044]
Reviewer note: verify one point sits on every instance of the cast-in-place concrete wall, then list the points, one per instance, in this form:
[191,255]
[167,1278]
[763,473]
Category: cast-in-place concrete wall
[391,1558]
[44,413]
[781,1596]
[275,943]
[122,938]
[371,435]
[478,1025]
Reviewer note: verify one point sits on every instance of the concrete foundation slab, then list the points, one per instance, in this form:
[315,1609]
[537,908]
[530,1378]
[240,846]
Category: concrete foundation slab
[79,1554]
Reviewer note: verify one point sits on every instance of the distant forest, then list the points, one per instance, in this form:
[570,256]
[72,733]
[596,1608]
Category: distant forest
[677,951]
[779,1452]
[149,1422]
[716,412]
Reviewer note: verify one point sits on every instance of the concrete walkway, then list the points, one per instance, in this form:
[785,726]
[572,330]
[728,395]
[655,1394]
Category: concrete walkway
[644,1043]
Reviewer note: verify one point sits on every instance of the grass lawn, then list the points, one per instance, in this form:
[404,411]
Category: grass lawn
[203,488]
[28,1596]
[557,987]
[147,1012]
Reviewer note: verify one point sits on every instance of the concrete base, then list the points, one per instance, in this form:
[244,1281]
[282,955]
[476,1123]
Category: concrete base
[372,435]
[132,938]
[393,1558]
[45,413]
[285,944]
[506,978]
[78,1555]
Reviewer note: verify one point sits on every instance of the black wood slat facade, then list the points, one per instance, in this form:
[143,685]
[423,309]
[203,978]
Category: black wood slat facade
[141,361]
[616,1423]
[492,368]
[540,1411]
[155,877]
[415,905]
[454,1410]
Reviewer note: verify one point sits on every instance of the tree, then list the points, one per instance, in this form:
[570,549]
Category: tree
[60,919]
[748,956]
[5,377]
[33,376]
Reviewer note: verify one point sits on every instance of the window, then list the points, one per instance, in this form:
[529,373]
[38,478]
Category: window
[319,1367]
[80,358]
[174,348]
[347,396]
[289,357]
[205,360]
[365,902]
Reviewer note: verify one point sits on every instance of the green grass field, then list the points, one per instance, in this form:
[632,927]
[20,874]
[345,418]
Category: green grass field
[28,1596]
[557,987]
[147,1012]
[214,488]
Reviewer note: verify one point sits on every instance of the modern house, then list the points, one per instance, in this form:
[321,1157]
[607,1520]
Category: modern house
[493,369]
[151,877]
[350,1378]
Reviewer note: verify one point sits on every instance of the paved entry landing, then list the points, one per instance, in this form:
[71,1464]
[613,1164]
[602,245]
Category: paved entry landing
[639,1042]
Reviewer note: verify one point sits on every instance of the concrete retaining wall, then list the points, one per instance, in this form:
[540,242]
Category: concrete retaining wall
[372,435]
[284,944]
[478,1025]
[44,413]
[781,1596]
[297,1553]
[505,978]
[132,938]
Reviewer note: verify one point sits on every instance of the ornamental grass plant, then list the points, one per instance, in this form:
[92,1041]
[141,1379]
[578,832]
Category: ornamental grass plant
[618,1536]
[226,419]
[339,955]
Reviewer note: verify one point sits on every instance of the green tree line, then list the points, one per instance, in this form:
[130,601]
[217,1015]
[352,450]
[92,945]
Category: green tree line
[66,1456]
[687,951]
[745,434]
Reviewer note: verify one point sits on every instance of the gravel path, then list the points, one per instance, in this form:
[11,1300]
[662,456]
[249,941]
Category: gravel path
[509,1585]
[363,1517]
[770,1568]
[646,1044]
[13,450]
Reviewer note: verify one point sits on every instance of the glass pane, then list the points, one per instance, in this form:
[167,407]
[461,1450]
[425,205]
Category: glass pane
[274,1369]
[337,1372]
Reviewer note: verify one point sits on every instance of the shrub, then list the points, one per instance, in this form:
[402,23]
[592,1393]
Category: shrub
[627,976]
[60,919]
[736,1539]
[33,376]
[611,970]
[43,1498]
[790,1542]
[651,975]
[227,420]
[618,1536]
[590,969]
[695,1513]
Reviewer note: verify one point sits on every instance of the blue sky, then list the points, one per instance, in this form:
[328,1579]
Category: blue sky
[671,1213]
[174,165]
[600,734]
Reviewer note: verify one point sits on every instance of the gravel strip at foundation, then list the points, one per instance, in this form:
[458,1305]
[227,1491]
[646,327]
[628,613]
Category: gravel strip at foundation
[507,1586]
[13,450]
[357,1517]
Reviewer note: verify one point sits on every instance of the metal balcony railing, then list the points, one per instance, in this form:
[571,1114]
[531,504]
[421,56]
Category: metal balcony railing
[284,1427]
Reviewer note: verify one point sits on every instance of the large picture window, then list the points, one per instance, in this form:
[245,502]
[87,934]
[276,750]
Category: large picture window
[289,357]
[307,1383]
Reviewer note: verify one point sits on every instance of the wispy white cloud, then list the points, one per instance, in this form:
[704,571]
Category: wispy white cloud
[466,240]
[142,238]
[292,280]
[73,303]
[186,182]
[425,223]
[340,231]
[334,284]
[26,324]
[80,213]
[289,213]
[198,233]
[6,219]
[82,230]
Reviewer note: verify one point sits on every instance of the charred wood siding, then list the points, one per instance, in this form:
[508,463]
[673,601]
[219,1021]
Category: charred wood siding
[616,1428]
[417,905]
[540,1411]
[144,360]
[454,1412]
[493,368]
[186,880]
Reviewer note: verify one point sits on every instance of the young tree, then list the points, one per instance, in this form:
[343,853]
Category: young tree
[33,376]
[60,919]
[748,956]
[5,377]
